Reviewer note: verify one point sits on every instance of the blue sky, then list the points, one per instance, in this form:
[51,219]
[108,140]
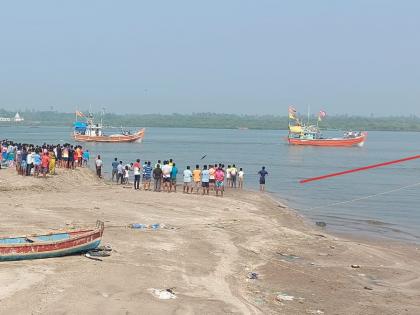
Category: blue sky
[248,57]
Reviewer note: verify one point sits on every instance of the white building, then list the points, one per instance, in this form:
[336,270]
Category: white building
[18,118]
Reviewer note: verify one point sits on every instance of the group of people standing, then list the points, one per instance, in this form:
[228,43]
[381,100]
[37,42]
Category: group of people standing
[163,174]
[30,159]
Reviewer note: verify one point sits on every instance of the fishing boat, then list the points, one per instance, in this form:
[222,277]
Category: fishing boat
[51,245]
[89,131]
[301,134]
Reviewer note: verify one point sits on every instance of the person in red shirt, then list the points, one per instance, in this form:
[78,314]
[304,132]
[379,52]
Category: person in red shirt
[45,162]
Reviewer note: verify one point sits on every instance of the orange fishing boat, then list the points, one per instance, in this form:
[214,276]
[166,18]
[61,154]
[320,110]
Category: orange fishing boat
[300,134]
[90,131]
[348,141]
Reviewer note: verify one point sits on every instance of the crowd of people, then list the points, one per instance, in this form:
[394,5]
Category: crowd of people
[36,160]
[163,175]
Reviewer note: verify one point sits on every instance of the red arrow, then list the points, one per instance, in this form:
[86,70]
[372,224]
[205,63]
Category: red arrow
[303,181]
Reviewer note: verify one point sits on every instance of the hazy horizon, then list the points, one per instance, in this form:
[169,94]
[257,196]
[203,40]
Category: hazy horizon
[242,57]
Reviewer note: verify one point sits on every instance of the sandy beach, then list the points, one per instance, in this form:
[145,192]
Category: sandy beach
[205,250]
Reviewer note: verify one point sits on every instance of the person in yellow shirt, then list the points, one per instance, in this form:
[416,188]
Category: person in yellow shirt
[197,177]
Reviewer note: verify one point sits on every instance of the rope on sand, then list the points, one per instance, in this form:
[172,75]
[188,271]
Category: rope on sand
[365,197]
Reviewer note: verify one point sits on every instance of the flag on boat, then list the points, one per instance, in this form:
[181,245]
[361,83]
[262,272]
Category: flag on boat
[292,112]
[321,115]
[79,114]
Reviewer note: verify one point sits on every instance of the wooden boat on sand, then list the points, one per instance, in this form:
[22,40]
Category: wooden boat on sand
[51,245]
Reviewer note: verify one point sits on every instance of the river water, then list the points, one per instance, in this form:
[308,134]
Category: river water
[394,215]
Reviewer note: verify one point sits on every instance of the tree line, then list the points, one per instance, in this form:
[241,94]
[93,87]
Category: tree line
[219,121]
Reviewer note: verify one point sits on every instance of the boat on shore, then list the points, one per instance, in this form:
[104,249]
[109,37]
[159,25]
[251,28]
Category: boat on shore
[51,245]
[301,134]
[89,131]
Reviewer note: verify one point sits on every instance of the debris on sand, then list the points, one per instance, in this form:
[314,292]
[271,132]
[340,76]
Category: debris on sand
[284,297]
[253,276]
[163,294]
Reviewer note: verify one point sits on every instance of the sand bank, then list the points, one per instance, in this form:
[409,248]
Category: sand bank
[206,255]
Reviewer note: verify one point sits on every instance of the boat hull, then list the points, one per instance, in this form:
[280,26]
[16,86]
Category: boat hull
[56,244]
[136,137]
[330,142]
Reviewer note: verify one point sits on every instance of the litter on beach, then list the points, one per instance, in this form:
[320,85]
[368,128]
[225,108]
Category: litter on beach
[146,226]
[163,294]
[284,297]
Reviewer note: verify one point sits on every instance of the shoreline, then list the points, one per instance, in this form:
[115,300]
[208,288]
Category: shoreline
[207,250]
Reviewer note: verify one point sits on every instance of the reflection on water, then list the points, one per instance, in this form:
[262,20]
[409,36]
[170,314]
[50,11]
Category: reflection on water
[395,215]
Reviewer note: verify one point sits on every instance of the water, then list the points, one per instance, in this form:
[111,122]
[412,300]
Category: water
[395,215]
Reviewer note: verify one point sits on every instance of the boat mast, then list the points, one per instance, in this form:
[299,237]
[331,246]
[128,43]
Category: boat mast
[309,109]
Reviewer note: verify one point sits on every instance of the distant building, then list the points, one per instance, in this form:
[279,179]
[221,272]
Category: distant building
[18,118]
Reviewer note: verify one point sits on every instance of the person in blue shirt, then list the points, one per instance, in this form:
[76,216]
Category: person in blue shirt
[37,163]
[86,157]
[114,170]
[205,180]
[147,176]
[263,173]
[174,172]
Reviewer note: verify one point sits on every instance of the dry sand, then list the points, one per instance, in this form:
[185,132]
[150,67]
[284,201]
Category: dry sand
[206,256]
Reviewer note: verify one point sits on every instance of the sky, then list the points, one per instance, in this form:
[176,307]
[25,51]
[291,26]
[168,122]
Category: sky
[358,57]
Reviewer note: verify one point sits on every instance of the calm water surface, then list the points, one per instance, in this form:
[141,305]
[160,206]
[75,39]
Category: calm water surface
[395,215]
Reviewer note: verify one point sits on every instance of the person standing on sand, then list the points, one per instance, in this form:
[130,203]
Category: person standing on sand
[263,173]
[98,164]
[86,157]
[120,172]
[166,174]
[174,173]
[205,180]
[157,176]
[197,178]
[187,180]
[45,163]
[220,178]
[70,163]
[233,175]
[37,163]
[51,166]
[114,170]
[147,175]
[136,171]
[212,171]
[228,177]
[241,178]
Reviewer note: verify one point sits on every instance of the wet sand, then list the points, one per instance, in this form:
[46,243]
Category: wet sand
[206,252]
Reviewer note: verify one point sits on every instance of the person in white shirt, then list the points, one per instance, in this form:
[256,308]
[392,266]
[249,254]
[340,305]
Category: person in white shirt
[98,164]
[166,175]
[187,180]
[29,162]
[241,178]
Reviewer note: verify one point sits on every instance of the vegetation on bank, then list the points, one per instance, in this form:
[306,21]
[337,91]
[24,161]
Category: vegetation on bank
[228,121]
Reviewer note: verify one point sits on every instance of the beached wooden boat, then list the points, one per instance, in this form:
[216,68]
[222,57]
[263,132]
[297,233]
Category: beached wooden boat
[330,142]
[135,137]
[51,245]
